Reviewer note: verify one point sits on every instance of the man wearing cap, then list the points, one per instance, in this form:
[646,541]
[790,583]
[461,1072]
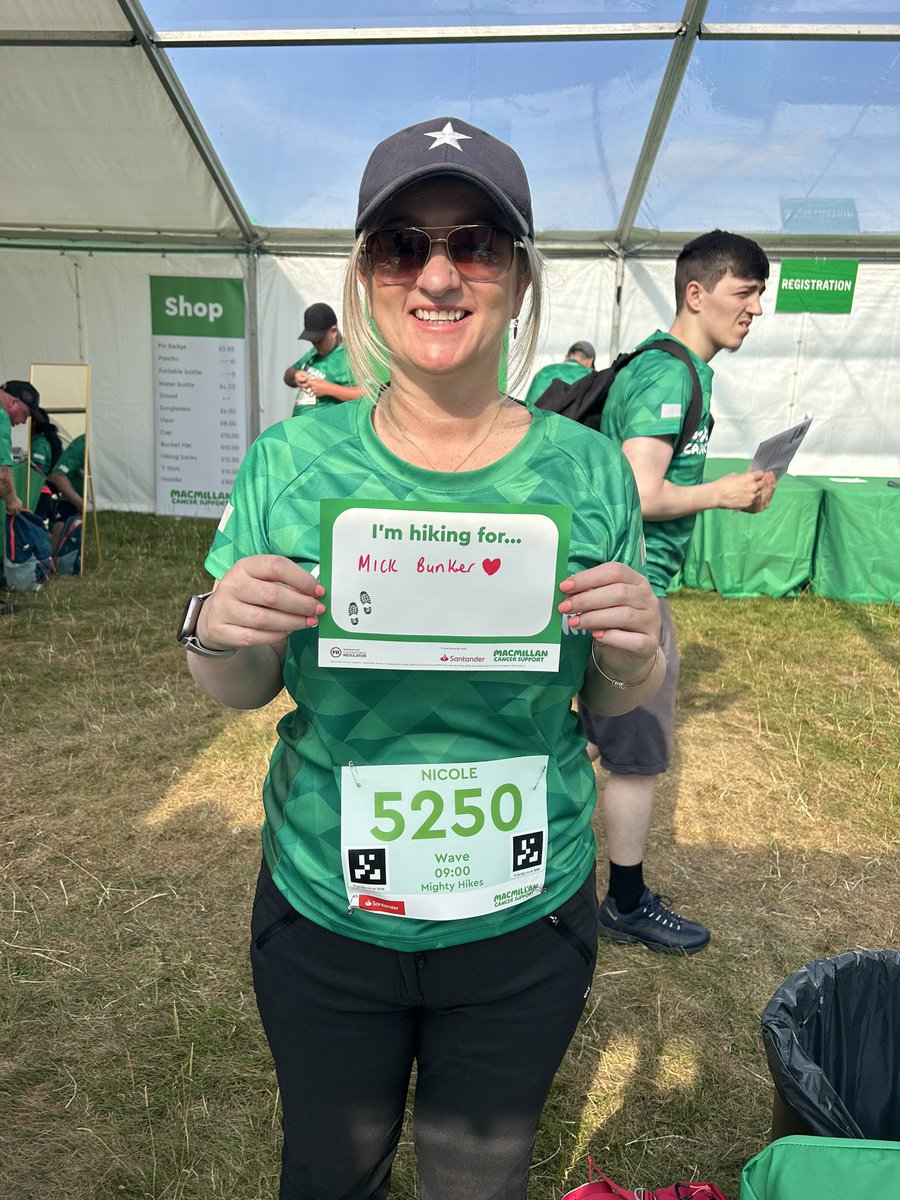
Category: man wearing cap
[18,402]
[579,362]
[323,374]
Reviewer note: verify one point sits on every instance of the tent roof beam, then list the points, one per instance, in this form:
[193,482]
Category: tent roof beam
[168,77]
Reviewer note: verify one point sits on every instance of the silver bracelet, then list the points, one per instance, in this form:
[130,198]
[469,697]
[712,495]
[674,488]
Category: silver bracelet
[622,683]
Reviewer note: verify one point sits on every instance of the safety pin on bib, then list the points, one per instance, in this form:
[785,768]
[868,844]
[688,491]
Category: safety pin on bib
[543,772]
[354,773]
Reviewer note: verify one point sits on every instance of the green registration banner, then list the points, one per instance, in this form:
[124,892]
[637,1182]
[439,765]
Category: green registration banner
[816,285]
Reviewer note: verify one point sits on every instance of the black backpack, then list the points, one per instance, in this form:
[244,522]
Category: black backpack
[584,399]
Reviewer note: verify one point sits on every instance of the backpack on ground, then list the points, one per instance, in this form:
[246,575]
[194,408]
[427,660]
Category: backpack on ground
[67,558]
[584,399]
[27,559]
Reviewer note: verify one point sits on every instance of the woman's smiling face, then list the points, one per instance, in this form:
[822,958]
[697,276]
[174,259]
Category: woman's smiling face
[440,322]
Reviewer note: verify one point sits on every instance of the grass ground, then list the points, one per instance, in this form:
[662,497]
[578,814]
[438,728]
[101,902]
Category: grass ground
[131,1059]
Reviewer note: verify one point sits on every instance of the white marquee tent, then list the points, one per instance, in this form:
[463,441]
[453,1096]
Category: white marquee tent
[133,146]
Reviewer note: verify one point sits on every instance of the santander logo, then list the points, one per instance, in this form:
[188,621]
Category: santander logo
[376,904]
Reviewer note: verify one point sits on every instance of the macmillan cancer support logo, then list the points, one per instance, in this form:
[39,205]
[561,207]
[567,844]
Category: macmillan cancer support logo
[514,656]
[179,496]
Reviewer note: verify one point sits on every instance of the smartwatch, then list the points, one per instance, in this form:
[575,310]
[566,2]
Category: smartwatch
[187,631]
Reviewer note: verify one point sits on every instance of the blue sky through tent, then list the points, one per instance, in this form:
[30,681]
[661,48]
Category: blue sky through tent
[757,126]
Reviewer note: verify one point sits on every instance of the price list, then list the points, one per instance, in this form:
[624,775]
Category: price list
[200,388]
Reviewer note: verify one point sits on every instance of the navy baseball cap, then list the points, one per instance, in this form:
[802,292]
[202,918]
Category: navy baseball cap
[25,392]
[584,348]
[447,146]
[317,320]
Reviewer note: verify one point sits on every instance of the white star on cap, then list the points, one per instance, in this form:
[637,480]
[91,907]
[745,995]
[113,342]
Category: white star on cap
[447,137]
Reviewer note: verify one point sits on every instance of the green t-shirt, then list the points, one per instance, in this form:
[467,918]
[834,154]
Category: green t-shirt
[6,458]
[569,372]
[650,398]
[71,464]
[335,367]
[41,455]
[375,717]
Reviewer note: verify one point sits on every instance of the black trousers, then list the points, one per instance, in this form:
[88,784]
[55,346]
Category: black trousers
[487,1025]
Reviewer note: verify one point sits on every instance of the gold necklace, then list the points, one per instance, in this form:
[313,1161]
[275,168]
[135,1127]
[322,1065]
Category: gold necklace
[382,406]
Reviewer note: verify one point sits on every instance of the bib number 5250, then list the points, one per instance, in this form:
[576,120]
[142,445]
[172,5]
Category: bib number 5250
[470,808]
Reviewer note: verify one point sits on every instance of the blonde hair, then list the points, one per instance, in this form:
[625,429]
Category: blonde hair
[370,358]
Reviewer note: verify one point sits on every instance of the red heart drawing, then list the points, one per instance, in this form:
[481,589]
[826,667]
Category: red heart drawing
[491,566]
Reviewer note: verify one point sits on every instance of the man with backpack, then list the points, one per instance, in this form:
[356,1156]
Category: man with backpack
[719,281]
[579,362]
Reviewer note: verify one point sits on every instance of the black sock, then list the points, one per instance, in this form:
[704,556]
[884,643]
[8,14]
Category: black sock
[626,886]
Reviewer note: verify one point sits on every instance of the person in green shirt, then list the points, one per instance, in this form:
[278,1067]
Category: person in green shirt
[67,478]
[323,375]
[427,891]
[44,452]
[719,281]
[579,362]
[18,401]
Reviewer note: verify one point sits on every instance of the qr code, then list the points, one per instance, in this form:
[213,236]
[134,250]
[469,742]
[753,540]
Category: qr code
[527,851]
[368,868]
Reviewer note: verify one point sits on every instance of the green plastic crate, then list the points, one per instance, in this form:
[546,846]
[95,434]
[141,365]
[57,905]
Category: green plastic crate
[820,1168]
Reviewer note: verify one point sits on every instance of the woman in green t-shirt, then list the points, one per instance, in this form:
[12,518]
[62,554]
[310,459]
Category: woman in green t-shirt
[427,893]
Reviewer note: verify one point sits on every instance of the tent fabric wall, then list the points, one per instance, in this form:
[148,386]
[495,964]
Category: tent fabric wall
[95,308]
[90,140]
[77,307]
[287,286]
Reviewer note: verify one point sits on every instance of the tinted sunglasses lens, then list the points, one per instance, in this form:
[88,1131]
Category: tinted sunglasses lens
[397,255]
[480,251]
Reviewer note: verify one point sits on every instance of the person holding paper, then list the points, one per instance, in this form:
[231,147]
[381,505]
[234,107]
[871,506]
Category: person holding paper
[323,374]
[427,891]
[719,281]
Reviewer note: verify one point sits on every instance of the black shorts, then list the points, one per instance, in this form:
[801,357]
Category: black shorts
[641,742]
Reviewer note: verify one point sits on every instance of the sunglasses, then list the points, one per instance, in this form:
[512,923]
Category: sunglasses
[480,253]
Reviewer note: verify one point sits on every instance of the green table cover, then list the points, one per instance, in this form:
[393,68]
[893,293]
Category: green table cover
[754,554]
[857,553]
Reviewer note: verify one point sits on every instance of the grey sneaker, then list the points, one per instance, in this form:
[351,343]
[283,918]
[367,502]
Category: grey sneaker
[653,924]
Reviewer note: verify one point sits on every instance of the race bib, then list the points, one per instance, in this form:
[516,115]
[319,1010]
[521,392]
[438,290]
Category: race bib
[447,841]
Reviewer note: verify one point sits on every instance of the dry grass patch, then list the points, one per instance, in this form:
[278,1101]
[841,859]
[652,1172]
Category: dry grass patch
[131,1053]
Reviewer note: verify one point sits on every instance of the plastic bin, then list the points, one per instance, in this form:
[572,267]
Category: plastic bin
[832,1040]
[816,1168]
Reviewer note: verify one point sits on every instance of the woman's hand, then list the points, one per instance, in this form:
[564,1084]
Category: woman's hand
[258,602]
[616,605]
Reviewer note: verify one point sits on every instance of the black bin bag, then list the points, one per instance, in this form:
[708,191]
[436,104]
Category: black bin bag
[832,1039]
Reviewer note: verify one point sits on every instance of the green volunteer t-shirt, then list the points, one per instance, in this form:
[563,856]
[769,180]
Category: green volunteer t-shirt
[335,367]
[71,463]
[41,455]
[650,398]
[569,371]
[375,718]
[6,458]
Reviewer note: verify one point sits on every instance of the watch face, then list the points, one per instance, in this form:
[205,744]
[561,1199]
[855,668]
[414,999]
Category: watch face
[188,625]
